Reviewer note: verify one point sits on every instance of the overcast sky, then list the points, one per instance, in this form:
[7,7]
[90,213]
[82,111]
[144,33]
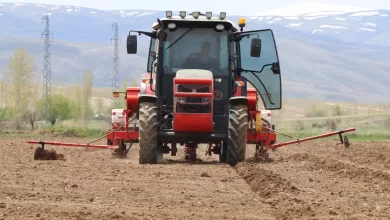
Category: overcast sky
[247,7]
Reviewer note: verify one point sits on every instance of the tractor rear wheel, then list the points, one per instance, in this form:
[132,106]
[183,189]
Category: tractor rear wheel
[149,153]
[238,129]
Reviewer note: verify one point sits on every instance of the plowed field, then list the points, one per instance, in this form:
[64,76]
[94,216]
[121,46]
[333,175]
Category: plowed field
[316,180]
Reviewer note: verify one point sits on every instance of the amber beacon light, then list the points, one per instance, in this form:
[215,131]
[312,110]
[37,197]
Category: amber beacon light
[241,23]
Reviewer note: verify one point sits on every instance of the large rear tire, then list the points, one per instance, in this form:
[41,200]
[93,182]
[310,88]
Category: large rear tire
[238,129]
[149,153]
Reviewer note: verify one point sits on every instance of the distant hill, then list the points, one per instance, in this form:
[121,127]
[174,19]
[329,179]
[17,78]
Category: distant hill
[319,58]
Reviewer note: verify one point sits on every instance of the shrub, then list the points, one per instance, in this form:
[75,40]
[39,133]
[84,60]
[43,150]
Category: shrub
[299,126]
[332,123]
[315,112]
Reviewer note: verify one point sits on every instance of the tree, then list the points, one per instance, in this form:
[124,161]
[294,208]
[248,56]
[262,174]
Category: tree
[32,113]
[60,108]
[78,104]
[87,92]
[124,85]
[135,82]
[3,90]
[99,106]
[20,66]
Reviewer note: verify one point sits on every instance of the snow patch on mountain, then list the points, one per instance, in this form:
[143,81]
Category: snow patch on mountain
[291,18]
[364,13]
[146,13]
[294,25]
[366,29]
[369,24]
[324,13]
[308,7]
[317,30]
[331,26]
[131,13]
[276,19]
[314,17]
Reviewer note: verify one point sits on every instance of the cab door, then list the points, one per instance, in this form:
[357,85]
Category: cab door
[261,70]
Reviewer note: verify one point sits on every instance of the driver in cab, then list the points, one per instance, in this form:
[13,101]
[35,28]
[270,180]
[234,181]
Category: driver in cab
[202,59]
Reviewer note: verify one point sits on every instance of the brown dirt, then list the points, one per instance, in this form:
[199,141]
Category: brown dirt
[317,180]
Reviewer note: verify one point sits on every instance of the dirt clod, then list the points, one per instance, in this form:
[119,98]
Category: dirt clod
[41,154]
[205,175]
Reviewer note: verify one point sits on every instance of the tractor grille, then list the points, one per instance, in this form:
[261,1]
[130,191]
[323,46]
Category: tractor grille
[195,89]
[193,104]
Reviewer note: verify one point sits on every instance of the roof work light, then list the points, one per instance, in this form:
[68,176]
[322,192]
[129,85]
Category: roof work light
[182,14]
[196,14]
[209,14]
[222,15]
[168,14]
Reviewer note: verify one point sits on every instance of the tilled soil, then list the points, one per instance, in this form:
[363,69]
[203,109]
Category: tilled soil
[315,180]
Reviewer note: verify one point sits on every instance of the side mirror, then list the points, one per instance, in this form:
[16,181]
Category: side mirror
[255,47]
[132,44]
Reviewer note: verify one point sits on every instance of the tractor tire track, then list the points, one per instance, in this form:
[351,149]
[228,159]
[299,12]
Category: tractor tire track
[330,183]
[278,192]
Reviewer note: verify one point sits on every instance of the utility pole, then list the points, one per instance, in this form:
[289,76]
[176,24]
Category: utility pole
[46,66]
[115,81]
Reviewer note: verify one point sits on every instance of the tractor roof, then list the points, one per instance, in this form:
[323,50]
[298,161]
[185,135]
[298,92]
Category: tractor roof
[201,18]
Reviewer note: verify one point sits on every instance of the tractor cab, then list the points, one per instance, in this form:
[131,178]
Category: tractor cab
[204,42]
[197,72]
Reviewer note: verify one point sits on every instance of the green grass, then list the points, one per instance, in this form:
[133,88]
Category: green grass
[352,136]
[368,127]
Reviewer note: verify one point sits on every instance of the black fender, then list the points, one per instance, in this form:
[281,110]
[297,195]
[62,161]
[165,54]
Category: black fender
[240,100]
[146,98]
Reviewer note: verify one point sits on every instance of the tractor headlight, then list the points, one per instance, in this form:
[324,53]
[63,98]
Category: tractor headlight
[171,26]
[220,27]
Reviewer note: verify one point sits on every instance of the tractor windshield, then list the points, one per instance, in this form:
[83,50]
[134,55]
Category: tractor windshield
[196,48]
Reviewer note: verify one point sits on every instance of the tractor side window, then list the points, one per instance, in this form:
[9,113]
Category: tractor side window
[266,82]
[151,49]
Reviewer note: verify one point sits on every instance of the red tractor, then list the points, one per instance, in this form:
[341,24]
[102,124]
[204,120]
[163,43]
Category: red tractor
[196,91]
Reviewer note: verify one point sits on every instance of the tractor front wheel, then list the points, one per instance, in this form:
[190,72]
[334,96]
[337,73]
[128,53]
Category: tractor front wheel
[149,153]
[238,129]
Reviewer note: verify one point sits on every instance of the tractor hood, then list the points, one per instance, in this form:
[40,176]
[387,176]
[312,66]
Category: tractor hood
[194,74]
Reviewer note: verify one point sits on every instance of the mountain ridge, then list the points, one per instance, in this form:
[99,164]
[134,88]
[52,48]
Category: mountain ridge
[344,67]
